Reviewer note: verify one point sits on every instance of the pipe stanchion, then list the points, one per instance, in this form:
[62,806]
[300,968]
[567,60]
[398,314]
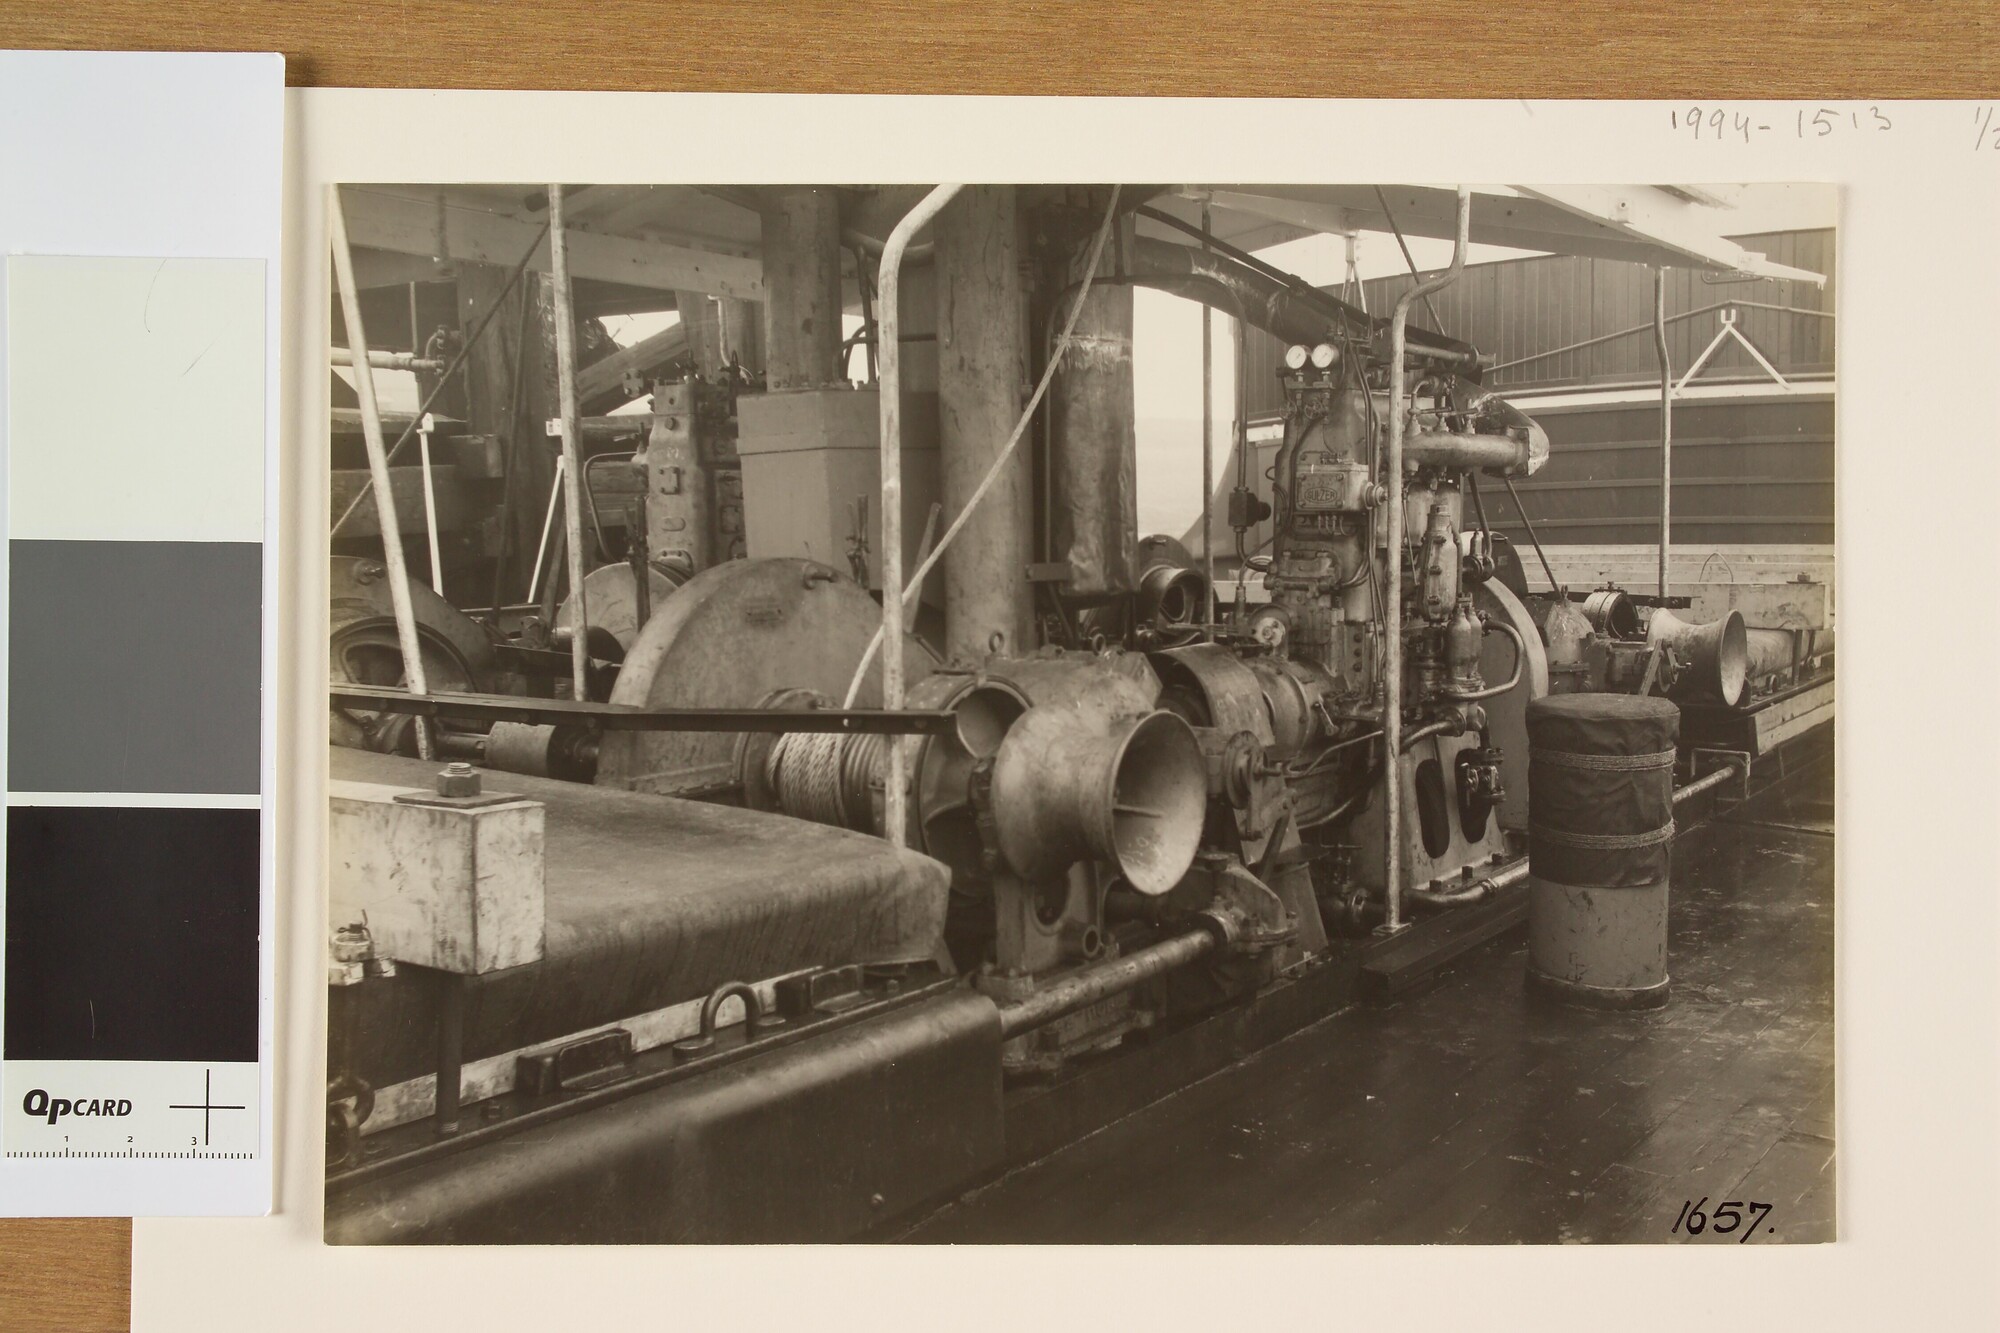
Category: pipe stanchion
[572,480]
[1207,459]
[378,471]
[1392,610]
[1666,421]
[889,358]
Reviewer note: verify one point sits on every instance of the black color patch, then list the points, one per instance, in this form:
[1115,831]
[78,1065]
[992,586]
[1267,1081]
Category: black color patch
[131,934]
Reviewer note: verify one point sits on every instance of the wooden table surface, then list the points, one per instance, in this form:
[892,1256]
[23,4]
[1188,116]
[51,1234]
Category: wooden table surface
[64,1275]
[1266,48]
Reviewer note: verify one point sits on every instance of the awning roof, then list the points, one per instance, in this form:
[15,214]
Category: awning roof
[632,242]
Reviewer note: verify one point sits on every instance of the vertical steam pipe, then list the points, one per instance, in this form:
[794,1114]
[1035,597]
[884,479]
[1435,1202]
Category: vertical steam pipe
[579,648]
[430,503]
[889,359]
[982,364]
[1666,422]
[1207,457]
[1392,610]
[1239,432]
[378,470]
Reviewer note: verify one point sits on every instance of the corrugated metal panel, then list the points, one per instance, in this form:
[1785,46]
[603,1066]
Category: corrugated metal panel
[1523,308]
[1745,473]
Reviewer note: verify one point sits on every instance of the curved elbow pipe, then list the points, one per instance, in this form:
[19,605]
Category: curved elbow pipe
[1235,288]
[1230,287]
[1520,665]
[889,389]
[1450,726]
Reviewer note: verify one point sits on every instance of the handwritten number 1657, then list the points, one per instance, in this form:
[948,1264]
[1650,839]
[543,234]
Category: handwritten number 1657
[1728,1217]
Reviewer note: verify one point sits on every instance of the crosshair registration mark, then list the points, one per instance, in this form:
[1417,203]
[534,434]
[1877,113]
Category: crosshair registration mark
[207,1105]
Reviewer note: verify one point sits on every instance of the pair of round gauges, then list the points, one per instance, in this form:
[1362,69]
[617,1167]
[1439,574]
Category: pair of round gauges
[1322,357]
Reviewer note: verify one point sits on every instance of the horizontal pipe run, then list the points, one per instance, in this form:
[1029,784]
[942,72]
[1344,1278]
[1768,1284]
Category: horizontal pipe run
[1499,453]
[624,717]
[461,745]
[1081,989]
[1713,780]
[1479,891]
[390,360]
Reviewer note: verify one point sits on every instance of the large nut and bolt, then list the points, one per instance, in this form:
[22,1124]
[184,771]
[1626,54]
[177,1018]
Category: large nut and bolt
[458,780]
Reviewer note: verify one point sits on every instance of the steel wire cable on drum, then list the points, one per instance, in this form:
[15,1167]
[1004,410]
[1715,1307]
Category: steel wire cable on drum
[804,771]
[864,769]
[828,777]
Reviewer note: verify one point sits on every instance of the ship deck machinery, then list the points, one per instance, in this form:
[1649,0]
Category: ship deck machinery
[665,971]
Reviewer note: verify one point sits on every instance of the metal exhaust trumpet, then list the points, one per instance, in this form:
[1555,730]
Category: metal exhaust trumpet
[1070,784]
[1714,658]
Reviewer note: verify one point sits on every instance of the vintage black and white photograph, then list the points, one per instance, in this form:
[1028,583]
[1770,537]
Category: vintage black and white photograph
[1080,713]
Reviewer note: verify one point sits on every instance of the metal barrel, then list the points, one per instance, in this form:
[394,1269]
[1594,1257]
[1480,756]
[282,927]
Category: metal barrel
[1601,806]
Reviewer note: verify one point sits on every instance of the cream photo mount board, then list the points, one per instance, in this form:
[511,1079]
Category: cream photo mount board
[1920,283]
[140,224]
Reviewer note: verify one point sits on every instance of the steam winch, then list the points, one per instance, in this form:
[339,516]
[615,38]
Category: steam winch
[922,836]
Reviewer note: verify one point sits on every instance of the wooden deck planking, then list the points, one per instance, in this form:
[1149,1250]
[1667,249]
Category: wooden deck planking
[1465,1111]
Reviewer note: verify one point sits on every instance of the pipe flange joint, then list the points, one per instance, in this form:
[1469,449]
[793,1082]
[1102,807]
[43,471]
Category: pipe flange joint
[1224,923]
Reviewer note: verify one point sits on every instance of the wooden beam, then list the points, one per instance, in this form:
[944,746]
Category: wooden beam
[1305,214]
[701,323]
[602,380]
[403,225]
[407,485]
[379,268]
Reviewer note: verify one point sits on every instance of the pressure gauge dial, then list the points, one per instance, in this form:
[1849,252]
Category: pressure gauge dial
[1295,357]
[1270,626]
[1322,356]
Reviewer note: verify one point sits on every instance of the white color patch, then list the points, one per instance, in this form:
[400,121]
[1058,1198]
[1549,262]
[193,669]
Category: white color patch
[135,403]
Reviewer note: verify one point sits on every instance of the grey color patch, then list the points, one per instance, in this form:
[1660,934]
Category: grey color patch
[134,666]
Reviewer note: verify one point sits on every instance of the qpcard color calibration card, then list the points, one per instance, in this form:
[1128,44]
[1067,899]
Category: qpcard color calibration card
[139,203]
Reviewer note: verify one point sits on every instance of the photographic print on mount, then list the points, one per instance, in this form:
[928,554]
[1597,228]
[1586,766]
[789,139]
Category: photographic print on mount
[1269,598]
